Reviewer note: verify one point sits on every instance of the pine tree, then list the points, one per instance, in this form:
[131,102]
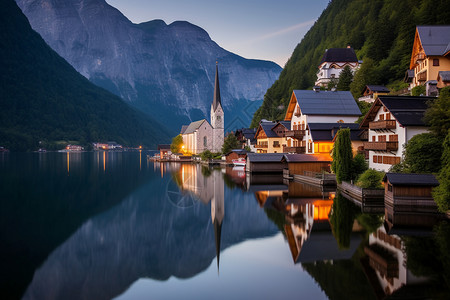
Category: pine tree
[342,156]
[441,194]
[230,143]
[345,78]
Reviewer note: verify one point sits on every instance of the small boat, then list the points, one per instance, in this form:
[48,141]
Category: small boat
[239,162]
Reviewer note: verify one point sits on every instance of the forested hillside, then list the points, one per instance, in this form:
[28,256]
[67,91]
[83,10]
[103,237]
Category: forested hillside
[381,32]
[43,99]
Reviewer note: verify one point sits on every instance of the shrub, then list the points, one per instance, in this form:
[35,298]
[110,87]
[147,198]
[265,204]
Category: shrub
[370,179]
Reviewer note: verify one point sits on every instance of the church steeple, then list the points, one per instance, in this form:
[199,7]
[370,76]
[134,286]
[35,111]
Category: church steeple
[216,100]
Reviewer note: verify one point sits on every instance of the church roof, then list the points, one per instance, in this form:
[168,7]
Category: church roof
[194,126]
[216,101]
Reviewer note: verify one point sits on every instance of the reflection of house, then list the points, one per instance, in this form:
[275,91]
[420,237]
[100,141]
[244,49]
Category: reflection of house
[371,92]
[201,135]
[409,192]
[307,107]
[332,63]
[386,258]
[430,54]
[271,136]
[391,122]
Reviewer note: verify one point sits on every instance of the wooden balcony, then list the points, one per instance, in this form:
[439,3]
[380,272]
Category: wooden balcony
[422,76]
[298,150]
[261,146]
[418,58]
[383,124]
[296,134]
[381,146]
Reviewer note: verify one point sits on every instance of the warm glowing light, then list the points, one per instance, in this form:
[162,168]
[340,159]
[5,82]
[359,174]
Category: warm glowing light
[140,147]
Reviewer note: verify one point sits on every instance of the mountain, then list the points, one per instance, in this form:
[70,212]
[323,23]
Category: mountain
[163,70]
[381,32]
[44,99]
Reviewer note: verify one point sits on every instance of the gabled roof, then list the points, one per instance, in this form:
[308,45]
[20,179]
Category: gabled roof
[237,151]
[286,124]
[267,127]
[183,128]
[407,110]
[444,75]
[339,55]
[327,131]
[377,88]
[298,158]
[411,179]
[435,40]
[326,103]
[409,76]
[194,126]
[265,157]
[164,147]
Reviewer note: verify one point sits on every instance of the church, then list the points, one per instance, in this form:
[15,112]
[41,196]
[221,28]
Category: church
[203,135]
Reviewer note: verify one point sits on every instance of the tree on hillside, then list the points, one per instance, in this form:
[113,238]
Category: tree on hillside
[332,84]
[441,193]
[365,75]
[345,79]
[177,143]
[342,156]
[438,114]
[230,143]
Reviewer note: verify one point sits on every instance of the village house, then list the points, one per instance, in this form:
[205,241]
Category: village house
[247,138]
[164,151]
[391,122]
[323,136]
[235,154]
[430,53]
[308,107]
[371,92]
[202,135]
[332,63]
[271,136]
[443,79]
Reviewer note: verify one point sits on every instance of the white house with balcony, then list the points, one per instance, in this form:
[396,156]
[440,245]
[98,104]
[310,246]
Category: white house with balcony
[332,63]
[307,107]
[391,122]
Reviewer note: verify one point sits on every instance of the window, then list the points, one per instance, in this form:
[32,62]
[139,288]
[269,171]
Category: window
[388,116]
[205,141]
[436,62]
[374,139]
[375,159]
[389,187]
[393,138]
[381,117]
[382,138]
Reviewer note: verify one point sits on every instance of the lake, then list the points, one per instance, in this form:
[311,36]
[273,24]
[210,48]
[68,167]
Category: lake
[111,225]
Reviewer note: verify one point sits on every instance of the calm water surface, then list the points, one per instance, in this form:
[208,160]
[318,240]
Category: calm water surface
[112,225]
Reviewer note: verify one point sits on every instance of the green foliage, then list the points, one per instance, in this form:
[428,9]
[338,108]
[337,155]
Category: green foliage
[332,84]
[370,222]
[364,107]
[230,143]
[247,148]
[206,171]
[370,179]
[342,156]
[345,79]
[397,85]
[206,155]
[44,99]
[441,193]
[177,143]
[423,154]
[365,75]
[438,114]
[341,219]
[379,31]
[418,90]
[359,165]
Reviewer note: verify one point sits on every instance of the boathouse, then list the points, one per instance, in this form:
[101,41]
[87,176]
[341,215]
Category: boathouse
[164,151]
[409,193]
[299,164]
[235,154]
[265,162]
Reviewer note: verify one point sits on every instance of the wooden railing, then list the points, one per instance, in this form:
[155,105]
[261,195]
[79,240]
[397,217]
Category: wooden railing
[294,150]
[262,146]
[297,134]
[422,76]
[383,124]
[381,146]
[418,57]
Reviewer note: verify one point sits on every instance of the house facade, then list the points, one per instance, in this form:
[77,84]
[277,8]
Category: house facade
[271,136]
[391,122]
[308,107]
[371,92]
[332,63]
[430,53]
[202,135]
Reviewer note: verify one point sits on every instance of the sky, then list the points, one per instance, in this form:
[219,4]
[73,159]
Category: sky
[257,29]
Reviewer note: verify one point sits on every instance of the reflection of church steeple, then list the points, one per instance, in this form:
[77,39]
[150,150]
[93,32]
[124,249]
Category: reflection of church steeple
[217,234]
[217,211]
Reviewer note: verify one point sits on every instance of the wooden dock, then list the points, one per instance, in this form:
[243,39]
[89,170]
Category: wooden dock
[370,200]
[316,178]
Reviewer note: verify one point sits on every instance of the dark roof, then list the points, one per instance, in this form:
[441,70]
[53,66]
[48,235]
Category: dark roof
[327,103]
[194,126]
[183,128]
[407,110]
[286,124]
[305,158]
[327,131]
[339,55]
[330,126]
[411,179]
[164,147]
[216,101]
[237,151]
[435,40]
[267,127]
[264,157]
[378,88]
[248,132]
[444,75]
[409,76]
